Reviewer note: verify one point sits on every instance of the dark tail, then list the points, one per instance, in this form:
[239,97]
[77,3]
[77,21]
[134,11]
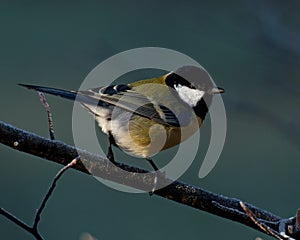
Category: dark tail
[72,95]
[54,91]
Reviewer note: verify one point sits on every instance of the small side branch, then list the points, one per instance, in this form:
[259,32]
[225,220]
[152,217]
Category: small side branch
[15,220]
[49,114]
[261,225]
[48,194]
[34,229]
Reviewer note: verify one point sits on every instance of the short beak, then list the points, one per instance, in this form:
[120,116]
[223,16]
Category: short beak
[217,90]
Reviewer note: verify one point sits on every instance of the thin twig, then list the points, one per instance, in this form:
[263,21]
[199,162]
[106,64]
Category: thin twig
[49,114]
[52,186]
[15,220]
[34,229]
[261,225]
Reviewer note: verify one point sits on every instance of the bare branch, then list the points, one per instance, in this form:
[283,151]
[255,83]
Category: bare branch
[198,198]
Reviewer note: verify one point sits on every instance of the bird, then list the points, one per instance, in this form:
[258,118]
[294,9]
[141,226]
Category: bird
[147,116]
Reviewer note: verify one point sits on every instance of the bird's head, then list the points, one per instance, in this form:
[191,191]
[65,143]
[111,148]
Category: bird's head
[194,86]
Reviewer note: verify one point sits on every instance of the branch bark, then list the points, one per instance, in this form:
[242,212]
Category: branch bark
[198,198]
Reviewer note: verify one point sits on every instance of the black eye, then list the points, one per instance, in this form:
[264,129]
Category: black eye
[174,80]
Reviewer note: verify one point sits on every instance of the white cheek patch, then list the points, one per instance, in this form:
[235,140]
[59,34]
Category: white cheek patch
[190,96]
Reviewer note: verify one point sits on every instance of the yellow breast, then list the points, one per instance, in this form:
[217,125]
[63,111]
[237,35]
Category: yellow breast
[149,138]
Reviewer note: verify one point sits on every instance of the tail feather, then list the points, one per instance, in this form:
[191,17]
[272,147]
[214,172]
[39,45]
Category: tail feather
[54,91]
[72,95]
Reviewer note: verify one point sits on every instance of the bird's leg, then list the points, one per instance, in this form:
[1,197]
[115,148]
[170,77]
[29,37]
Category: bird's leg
[110,154]
[152,164]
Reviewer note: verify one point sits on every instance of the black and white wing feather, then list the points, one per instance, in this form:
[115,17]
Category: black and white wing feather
[121,96]
[125,98]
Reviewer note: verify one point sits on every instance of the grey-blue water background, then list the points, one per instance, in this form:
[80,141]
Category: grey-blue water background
[250,48]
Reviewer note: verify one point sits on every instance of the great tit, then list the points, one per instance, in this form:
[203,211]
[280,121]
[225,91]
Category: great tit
[147,116]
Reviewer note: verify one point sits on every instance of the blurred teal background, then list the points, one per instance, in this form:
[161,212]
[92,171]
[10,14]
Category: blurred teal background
[250,48]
